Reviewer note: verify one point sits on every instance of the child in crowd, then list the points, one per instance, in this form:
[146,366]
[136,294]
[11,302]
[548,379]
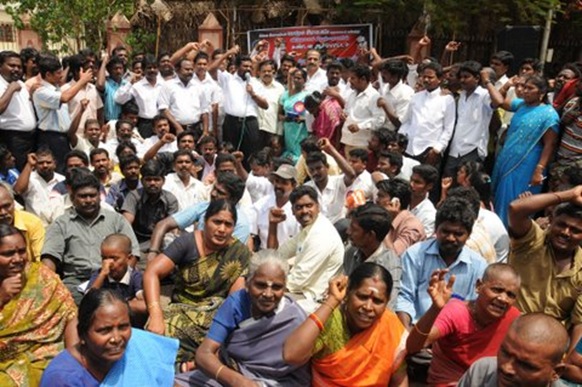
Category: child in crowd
[117,272]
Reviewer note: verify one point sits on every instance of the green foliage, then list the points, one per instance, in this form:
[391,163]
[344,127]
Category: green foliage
[57,21]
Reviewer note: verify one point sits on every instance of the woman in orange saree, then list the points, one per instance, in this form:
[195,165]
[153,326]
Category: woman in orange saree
[360,343]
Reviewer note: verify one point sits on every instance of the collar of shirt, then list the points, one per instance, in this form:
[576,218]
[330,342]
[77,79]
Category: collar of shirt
[433,94]
[19,222]
[49,85]
[73,214]
[433,249]
[125,280]
[144,197]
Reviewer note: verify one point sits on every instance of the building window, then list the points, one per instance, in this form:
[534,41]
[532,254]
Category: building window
[6,33]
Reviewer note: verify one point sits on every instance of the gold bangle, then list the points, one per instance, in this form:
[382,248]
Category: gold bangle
[419,331]
[153,305]
[218,372]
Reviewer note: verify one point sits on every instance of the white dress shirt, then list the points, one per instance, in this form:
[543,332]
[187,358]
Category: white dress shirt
[260,221]
[426,213]
[319,256]
[237,102]
[37,195]
[399,98]
[90,93]
[19,114]
[406,169]
[185,102]
[192,193]
[362,109]
[52,114]
[497,233]
[333,197]
[269,118]
[429,122]
[258,187]
[146,96]
[472,128]
[365,183]
[151,141]
[316,82]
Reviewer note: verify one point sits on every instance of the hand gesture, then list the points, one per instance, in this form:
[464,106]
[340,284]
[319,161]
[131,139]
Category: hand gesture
[537,178]
[439,290]
[234,50]
[382,103]
[104,57]
[425,41]
[337,287]
[135,78]
[15,86]
[277,215]
[432,157]
[239,156]
[446,183]
[249,88]
[452,46]
[194,46]
[31,159]
[577,193]
[278,42]
[168,138]
[106,267]
[86,76]
[325,145]
[10,288]
[331,92]
[353,128]
[84,104]
[485,76]
[524,195]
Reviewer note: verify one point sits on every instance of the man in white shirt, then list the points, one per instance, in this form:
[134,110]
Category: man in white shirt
[358,159]
[212,93]
[183,102]
[162,134]
[316,76]
[423,179]
[36,186]
[283,182]
[243,96]
[331,190]
[272,91]
[474,111]
[17,119]
[430,119]
[145,92]
[317,252]
[185,187]
[396,94]
[94,108]
[362,112]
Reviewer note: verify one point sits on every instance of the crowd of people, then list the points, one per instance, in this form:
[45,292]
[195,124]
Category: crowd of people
[211,218]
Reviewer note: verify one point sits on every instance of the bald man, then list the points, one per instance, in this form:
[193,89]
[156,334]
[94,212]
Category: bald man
[531,355]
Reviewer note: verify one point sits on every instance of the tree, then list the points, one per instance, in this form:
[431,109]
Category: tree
[58,21]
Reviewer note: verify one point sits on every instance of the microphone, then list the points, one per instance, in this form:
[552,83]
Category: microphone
[247,77]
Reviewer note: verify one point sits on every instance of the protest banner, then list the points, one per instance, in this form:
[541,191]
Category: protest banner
[341,41]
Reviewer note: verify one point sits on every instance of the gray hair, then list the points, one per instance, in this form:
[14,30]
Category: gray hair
[8,189]
[267,257]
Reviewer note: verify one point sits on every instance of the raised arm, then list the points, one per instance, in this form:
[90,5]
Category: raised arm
[349,173]
[240,169]
[162,228]
[21,185]
[497,99]
[520,210]
[100,83]
[182,52]
[72,133]
[423,334]
[216,64]
[299,345]
[85,77]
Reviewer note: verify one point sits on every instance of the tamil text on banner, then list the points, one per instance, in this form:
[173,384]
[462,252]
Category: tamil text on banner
[341,41]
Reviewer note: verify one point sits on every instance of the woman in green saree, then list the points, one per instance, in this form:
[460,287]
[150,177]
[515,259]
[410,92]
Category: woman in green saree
[210,265]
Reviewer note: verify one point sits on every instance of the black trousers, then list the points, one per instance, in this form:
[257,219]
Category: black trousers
[145,127]
[243,133]
[19,143]
[58,144]
[453,163]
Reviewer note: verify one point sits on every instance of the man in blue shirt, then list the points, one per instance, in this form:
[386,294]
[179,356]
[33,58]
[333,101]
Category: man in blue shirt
[454,223]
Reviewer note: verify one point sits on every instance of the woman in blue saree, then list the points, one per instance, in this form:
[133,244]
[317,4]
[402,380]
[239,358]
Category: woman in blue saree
[529,146]
[244,346]
[292,113]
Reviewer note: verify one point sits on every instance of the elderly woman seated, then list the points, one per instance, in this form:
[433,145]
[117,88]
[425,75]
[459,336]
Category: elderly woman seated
[37,313]
[462,332]
[210,264]
[360,343]
[245,343]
